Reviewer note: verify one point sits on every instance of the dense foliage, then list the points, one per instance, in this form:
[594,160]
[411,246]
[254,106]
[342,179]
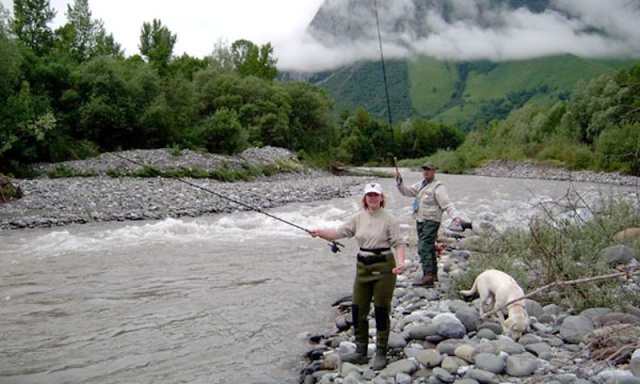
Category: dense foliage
[597,127]
[71,93]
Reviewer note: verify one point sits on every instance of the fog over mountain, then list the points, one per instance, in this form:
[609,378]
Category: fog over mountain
[344,31]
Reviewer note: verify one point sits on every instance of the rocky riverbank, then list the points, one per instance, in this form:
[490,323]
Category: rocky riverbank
[60,201]
[439,340]
[544,171]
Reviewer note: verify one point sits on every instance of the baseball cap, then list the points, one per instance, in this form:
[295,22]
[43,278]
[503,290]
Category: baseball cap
[373,188]
[429,165]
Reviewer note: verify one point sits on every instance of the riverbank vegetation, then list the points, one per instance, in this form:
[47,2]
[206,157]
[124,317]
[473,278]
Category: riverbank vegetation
[71,93]
[597,128]
[564,245]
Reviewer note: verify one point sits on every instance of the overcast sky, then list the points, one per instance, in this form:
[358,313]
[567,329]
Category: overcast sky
[199,24]
[512,35]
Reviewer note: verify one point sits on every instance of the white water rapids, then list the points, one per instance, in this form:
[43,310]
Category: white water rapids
[219,299]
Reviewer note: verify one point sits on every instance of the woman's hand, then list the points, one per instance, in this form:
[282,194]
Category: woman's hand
[398,269]
[315,232]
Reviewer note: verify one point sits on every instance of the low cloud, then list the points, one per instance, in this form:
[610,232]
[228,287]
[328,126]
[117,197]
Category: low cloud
[471,30]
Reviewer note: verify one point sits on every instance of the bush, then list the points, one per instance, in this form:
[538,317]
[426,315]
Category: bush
[222,133]
[562,247]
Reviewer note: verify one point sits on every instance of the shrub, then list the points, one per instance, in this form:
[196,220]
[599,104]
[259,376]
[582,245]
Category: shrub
[562,247]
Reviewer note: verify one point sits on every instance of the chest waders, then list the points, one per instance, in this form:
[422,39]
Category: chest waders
[375,282]
[427,235]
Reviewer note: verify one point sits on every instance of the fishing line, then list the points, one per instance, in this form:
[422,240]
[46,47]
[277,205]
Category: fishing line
[333,244]
[384,74]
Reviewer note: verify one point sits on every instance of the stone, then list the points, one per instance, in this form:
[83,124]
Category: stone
[509,347]
[634,363]
[551,309]
[403,378]
[618,318]
[404,366]
[466,381]
[520,366]
[489,362]
[482,376]
[529,338]
[466,352]
[533,308]
[565,378]
[331,362]
[486,333]
[451,364]
[347,368]
[495,327]
[352,378]
[429,358]
[629,234]
[341,323]
[420,332]
[574,329]
[538,348]
[456,305]
[396,341]
[470,318]
[443,375]
[617,254]
[449,326]
[448,347]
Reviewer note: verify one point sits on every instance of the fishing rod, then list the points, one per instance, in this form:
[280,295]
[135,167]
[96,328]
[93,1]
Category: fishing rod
[334,245]
[384,74]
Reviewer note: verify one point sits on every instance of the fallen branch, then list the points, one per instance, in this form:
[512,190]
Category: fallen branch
[626,274]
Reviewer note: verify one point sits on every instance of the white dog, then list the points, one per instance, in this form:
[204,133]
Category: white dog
[496,289]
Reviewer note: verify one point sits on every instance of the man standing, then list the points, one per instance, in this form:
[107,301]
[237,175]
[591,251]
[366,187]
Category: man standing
[431,199]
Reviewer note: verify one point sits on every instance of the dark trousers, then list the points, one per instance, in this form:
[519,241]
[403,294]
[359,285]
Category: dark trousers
[375,283]
[427,234]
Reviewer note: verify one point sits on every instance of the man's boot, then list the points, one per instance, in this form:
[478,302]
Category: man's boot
[428,281]
[357,357]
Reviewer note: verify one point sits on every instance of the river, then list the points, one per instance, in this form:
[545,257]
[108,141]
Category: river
[220,299]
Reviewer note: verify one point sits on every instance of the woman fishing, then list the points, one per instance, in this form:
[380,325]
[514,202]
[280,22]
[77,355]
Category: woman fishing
[376,232]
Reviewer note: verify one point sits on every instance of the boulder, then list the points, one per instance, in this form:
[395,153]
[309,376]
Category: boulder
[629,234]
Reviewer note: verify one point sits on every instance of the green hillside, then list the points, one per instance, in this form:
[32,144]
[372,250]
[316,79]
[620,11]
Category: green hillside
[461,93]
[362,85]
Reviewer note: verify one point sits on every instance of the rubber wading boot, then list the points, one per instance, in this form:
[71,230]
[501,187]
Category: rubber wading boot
[380,359]
[357,357]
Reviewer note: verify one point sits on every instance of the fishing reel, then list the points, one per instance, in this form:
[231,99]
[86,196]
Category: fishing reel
[334,245]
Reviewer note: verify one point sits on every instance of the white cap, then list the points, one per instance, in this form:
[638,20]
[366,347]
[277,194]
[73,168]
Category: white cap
[373,187]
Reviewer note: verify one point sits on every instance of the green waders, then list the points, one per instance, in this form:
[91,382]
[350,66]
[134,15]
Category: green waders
[373,280]
[427,235]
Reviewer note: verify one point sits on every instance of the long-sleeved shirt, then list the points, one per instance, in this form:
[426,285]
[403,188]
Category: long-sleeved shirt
[373,229]
[431,200]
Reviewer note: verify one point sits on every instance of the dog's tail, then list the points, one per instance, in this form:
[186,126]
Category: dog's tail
[473,289]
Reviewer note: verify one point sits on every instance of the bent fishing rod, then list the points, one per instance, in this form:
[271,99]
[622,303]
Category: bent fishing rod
[386,87]
[334,245]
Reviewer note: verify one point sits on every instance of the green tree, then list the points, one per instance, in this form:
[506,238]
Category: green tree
[83,30]
[222,132]
[221,55]
[251,60]
[106,45]
[31,24]
[311,120]
[156,44]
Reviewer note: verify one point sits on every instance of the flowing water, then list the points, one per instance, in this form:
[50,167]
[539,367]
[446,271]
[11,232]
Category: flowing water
[220,299]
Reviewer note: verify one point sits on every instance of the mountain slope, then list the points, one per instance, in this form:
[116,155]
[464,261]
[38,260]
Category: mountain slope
[460,93]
